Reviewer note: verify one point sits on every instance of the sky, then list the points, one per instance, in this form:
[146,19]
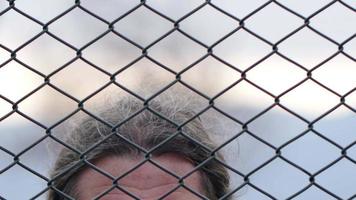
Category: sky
[240,50]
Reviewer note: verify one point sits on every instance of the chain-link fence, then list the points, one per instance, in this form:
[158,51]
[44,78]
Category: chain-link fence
[246,60]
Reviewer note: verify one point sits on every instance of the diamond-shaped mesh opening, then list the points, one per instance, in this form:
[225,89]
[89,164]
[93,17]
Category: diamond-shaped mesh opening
[342,19]
[16,140]
[268,126]
[311,152]
[205,26]
[262,92]
[222,130]
[336,129]
[115,54]
[280,23]
[144,72]
[104,98]
[75,82]
[243,148]
[319,100]
[42,54]
[303,47]
[338,74]
[343,189]
[143,20]
[240,94]
[267,180]
[281,71]
[242,49]
[18,177]
[76,21]
[200,104]
[51,101]
[208,70]
[19,29]
[32,158]
[23,80]
[176,51]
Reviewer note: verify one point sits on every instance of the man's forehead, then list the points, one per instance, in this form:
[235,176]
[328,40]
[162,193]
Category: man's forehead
[146,177]
[118,165]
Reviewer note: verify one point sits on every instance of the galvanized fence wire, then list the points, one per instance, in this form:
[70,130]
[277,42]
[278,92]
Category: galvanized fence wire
[240,25]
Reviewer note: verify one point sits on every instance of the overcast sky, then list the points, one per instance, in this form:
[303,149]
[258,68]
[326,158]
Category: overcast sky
[210,76]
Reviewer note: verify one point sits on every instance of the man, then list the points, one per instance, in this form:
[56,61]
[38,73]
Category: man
[137,151]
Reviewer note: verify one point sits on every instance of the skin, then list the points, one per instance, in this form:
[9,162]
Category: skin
[147,182]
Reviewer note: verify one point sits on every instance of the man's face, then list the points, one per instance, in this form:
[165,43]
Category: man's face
[146,182]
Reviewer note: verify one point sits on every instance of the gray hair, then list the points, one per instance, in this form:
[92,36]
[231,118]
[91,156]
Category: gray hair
[147,130]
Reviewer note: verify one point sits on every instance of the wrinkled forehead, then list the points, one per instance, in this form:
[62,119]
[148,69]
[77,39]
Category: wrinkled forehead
[140,178]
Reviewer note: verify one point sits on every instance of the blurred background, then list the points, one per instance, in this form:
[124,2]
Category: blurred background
[211,75]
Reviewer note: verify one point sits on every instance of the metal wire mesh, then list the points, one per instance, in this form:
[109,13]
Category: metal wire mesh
[241,24]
